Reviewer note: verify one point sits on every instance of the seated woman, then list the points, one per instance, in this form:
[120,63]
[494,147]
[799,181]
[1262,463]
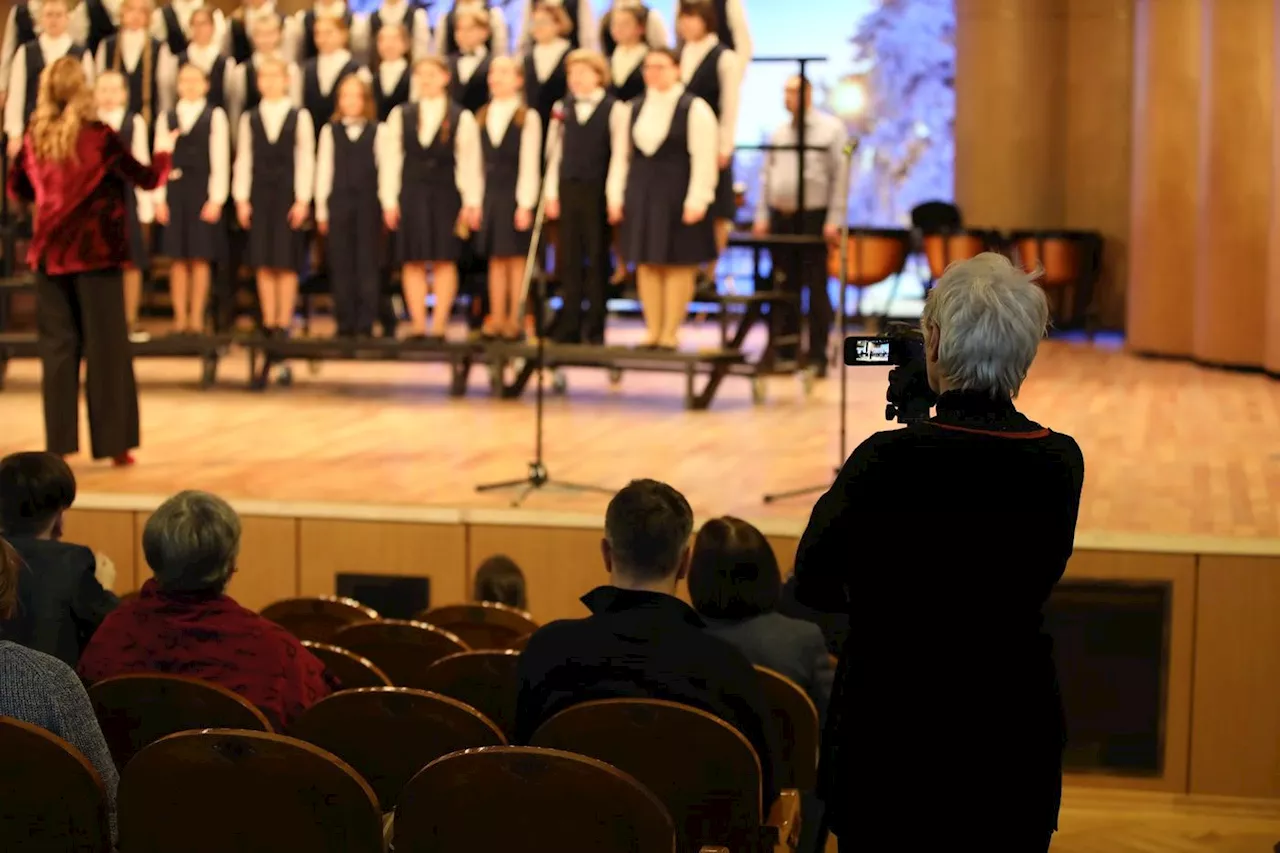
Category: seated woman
[734,584]
[499,579]
[183,623]
[39,689]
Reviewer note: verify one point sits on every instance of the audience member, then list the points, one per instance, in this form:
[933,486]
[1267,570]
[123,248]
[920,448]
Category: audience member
[39,689]
[61,600]
[734,583]
[500,580]
[942,542]
[183,623]
[641,641]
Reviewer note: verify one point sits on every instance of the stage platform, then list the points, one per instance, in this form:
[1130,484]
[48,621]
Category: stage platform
[1170,448]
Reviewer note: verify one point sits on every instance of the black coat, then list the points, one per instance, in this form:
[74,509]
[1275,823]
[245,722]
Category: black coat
[942,542]
[642,645]
[60,602]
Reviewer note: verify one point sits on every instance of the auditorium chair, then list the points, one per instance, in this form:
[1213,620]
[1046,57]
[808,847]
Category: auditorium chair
[795,722]
[702,769]
[223,790]
[349,668]
[319,617]
[390,733]
[485,680]
[51,798]
[401,648]
[137,710]
[548,801]
[482,625]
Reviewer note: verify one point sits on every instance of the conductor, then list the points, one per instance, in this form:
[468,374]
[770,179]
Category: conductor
[778,209]
[75,170]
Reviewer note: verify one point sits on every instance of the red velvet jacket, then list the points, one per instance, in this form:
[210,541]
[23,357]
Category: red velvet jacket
[79,216]
[213,639]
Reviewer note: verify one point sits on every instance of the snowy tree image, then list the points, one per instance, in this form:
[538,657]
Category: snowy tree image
[901,103]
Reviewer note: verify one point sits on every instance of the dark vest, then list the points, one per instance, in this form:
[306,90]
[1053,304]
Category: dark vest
[542,95]
[143,92]
[35,64]
[705,82]
[191,153]
[309,49]
[241,41]
[473,94]
[671,161]
[355,170]
[24,24]
[632,87]
[252,96]
[502,161]
[451,43]
[177,39]
[273,161]
[217,93]
[319,104]
[432,165]
[100,24]
[387,101]
[587,147]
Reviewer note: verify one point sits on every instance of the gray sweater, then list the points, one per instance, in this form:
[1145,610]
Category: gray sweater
[42,690]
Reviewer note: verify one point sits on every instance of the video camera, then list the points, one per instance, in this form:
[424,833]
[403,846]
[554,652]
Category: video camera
[902,348]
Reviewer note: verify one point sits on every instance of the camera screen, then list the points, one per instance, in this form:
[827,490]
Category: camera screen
[870,351]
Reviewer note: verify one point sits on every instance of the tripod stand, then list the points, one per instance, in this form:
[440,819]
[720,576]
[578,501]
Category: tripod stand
[538,477]
[843,333]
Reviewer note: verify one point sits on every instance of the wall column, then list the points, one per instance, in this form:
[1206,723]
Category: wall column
[1010,83]
[1271,355]
[1235,180]
[1166,134]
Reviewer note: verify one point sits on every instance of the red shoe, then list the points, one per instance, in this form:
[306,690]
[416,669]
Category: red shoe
[124,460]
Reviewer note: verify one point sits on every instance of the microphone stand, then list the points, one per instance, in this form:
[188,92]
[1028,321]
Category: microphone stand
[848,152]
[538,477]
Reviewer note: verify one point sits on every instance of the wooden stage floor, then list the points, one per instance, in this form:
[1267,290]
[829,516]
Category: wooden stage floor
[1169,448]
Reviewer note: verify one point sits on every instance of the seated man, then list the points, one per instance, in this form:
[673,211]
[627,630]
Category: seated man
[183,623]
[641,641]
[60,599]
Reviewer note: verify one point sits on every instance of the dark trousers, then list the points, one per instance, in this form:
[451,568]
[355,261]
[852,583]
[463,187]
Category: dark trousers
[805,269]
[354,279]
[582,261]
[82,316]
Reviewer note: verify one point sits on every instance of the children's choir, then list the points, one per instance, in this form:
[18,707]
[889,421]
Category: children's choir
[412,144]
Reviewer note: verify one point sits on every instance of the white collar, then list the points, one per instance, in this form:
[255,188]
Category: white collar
[192,106]
[202,51]
[113,118]
[341,56]
[132,35]
[398,65]
[509,104]
[479,53]
[62,42]
[668,97]
[595,96]
[557,44]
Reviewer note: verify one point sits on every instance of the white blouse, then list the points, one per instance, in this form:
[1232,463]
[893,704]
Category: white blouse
[324,160]
[389,74]
[188,112]
[329,66]
[499,115]
[652,127]
[141,152]
[584,109]
[547,57]
[468,172]
[469,62]
[52,49]
[625,60]
[273,115]
[202,57]
[729,70]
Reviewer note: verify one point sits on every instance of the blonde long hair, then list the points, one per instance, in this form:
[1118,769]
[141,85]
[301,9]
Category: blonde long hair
[64,105]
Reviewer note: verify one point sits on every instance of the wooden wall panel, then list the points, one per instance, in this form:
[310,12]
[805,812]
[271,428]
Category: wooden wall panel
[327,548]
[112,533]
[1180,571]
[1235,745]
[1098,139]
[560,564]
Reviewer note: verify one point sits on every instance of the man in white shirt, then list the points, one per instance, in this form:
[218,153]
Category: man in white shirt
[780,209]
[54,43]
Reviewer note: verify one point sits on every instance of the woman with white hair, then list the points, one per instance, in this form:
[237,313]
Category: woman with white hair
[942,542]
[184,623]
